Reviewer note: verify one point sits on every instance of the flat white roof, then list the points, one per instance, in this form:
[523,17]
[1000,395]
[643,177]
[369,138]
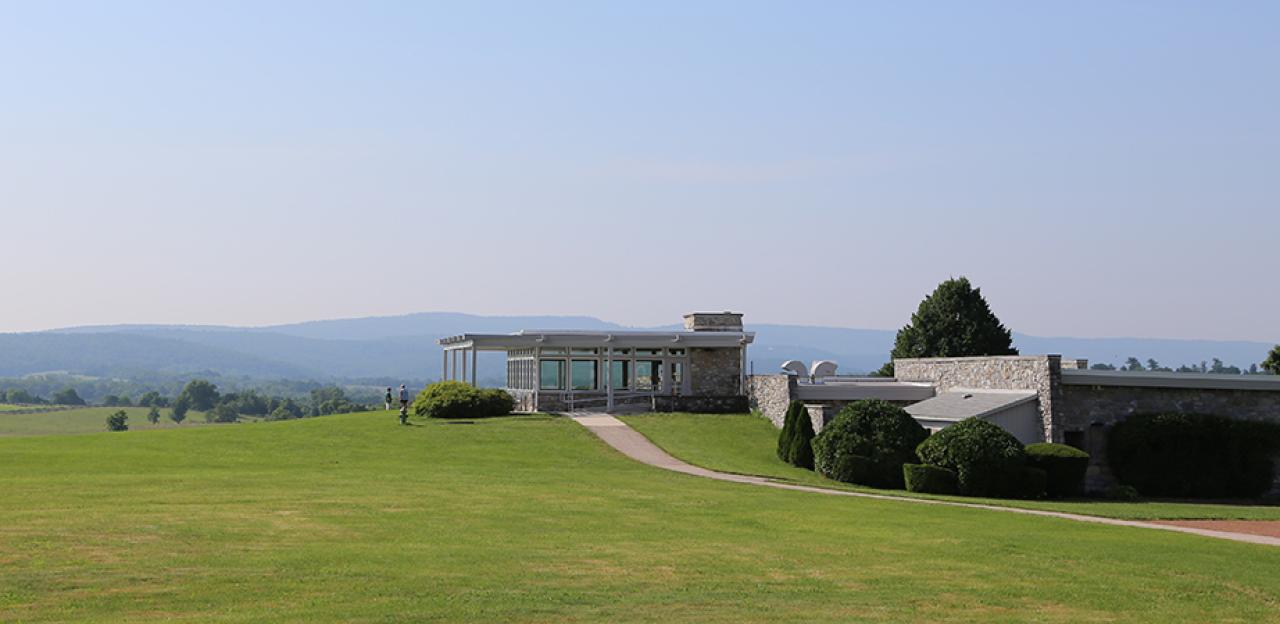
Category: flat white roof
[621,339]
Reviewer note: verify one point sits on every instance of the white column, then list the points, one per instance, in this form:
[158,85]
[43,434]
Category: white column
[473,365]
[444,365]
[453,374]
[608,379]
[464,365]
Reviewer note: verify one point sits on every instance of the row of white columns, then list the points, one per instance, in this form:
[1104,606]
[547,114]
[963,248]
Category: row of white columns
[450,373]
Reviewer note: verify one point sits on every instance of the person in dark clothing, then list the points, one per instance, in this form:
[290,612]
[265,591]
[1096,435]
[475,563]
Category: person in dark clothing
[404,405]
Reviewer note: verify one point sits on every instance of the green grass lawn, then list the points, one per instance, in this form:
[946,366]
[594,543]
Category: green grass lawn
[354,518]
[746,444]
[87,420]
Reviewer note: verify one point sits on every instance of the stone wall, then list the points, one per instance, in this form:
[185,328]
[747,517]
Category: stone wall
[1041,373]
[715,372]
[770,395]
[1092,410]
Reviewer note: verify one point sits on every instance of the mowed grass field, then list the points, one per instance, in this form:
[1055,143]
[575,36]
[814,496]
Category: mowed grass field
[747,444]
[87,420]
[354,518]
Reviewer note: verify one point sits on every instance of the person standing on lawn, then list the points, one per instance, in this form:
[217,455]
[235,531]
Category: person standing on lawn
[388,399]
[404,405]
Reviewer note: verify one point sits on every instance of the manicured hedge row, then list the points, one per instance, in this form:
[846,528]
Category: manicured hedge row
[1193,455]
[867,443]
[987,459]
[455,399]
[1064,466]
[929,479]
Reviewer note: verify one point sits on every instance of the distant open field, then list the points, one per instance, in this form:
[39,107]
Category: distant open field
[746,444]
[532,519]
[9,407]
[86,420]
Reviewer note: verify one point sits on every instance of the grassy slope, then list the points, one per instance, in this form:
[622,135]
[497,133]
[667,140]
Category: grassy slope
[354,518]
[746,444]
[86,420]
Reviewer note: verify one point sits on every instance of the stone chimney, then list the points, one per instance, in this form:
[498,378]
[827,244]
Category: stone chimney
[713,321]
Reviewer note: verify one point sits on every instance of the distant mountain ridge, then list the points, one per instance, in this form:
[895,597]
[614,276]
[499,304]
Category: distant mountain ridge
[404,347]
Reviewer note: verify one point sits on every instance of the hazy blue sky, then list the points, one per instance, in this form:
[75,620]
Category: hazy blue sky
[1099,169]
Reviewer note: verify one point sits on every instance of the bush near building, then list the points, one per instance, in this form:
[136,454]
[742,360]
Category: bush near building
[1065,467]
[455,399]
[795,441]
[987,460]
[868,443]
[1193,455]
[929,479]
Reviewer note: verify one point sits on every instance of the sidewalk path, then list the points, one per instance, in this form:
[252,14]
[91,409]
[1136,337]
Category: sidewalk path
[631,443]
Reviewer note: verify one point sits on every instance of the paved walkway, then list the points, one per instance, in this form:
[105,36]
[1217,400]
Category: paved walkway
[631,443]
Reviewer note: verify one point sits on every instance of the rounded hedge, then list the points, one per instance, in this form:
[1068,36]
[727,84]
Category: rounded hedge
[884,437]
[455,399]
[985,458]
[929,479]
[1064,465]
[1193,455]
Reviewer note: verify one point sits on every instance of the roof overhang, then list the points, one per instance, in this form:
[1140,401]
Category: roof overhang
[620,339]
[1188,381]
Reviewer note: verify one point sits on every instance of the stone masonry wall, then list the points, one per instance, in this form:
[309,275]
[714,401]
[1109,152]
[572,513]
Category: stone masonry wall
[1094,409]
[1041,373]
[771,394]
[715,372]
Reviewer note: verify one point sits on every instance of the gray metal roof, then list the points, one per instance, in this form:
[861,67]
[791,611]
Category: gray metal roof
[563,338]
[1196,381]
[962,404]
[883,389]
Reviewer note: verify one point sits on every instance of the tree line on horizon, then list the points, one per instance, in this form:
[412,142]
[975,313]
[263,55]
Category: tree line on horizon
[200,395]
[956,321]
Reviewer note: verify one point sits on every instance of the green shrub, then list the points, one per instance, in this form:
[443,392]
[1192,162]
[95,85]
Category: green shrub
[928,479]
[984,457]
[1193,455]
[1121,493]
[786,437]
[455,399]
[1027,482]
[849,468]
[883,434]
[118,421]
[1065,466]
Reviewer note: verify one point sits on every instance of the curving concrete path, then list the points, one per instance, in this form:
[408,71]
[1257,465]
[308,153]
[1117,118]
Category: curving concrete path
[631,443]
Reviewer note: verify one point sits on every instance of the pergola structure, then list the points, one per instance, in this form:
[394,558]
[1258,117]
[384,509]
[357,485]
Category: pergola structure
[563,370]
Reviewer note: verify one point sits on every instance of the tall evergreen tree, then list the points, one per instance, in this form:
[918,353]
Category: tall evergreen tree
[787,434]
[953,321]
[802,441]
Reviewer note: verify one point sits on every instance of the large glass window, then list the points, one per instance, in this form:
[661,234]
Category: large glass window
[648,374]
[677,375]
[552,375]
[584,374]
[621,370]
